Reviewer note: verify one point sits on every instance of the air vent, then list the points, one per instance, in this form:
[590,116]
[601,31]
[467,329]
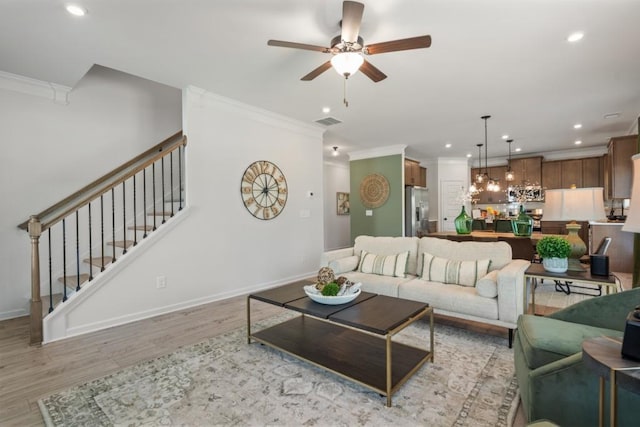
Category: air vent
[328,121]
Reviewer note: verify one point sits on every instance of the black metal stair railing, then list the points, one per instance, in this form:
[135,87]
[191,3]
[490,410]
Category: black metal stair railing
[117,191]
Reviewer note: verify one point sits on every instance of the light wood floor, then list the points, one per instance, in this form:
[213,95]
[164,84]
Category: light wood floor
[28,373]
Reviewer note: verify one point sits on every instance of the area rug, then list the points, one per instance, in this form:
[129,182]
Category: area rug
[225,381]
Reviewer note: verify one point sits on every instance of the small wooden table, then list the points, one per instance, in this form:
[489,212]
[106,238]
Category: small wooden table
[536,271]
[353,340]
[602,355]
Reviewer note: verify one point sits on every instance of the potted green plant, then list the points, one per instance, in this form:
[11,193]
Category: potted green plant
[554,251]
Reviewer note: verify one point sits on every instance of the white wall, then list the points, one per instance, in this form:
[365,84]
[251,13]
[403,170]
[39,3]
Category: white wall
[220,250]
[50,150]
[337,228]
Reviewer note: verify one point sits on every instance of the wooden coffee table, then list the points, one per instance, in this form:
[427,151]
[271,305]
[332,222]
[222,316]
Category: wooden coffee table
[352,340]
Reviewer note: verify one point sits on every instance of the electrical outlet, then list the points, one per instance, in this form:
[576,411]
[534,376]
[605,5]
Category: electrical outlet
[161,282]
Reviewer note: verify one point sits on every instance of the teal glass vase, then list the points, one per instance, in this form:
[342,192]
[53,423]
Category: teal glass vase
[522,226]
[463,223]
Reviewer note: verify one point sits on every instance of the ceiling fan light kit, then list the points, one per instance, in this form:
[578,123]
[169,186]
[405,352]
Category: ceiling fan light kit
[347,64]
[348,48]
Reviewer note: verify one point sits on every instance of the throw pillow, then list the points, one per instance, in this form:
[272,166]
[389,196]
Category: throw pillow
[466,273]
[487,286]
[384,265]
[343,265]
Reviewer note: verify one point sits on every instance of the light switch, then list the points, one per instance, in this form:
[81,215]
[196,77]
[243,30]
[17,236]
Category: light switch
[368,212]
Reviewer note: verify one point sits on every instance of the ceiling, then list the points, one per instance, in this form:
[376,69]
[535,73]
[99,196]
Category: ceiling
[509,59]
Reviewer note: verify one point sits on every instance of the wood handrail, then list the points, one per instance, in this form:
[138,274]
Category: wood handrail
[80,198]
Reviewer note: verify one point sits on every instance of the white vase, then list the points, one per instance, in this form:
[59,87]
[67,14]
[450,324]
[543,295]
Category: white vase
[555,265]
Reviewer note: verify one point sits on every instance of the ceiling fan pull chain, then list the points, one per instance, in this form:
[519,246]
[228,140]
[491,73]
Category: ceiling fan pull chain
[344,90]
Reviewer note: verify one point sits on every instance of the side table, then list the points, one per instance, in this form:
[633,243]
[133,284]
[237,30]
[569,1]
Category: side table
[536,271]
[602,355]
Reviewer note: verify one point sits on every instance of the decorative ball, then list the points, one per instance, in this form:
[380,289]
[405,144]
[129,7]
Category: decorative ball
[326,275]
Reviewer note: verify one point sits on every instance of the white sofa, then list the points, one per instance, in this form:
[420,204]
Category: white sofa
[496,298]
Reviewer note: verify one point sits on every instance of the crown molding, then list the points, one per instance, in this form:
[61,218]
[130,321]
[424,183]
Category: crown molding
[59,94]
[377,152]
[202,97]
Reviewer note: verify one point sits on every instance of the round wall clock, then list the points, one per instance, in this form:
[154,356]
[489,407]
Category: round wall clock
[264,189]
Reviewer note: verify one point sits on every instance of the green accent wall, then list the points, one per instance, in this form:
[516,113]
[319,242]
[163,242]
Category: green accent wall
[387,219]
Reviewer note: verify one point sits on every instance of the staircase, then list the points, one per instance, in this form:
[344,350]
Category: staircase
[96,265]
[84,235]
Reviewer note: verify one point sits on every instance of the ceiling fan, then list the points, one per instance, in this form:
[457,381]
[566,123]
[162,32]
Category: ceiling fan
[348,47]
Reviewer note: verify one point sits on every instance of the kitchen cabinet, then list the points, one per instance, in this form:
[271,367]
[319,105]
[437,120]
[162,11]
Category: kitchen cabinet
[552,174]
[580,173]
[422,181]
[571,173]
[414,174]
[593,172]
[620,168]
[527,171]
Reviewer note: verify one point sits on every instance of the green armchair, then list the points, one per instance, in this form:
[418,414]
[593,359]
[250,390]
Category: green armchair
[554,384]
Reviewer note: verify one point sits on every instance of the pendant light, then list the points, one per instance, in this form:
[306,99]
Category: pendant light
[509,175]
[479,175]
[492,185]
[473,188]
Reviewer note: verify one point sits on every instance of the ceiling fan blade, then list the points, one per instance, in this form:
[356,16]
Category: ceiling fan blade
[293,45]
[351,19]
[372,72]
[396,45]
[315,73]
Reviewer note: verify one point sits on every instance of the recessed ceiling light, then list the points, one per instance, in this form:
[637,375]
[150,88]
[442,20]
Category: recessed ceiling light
[505,136]
[447,145]
[518,150]
[326,110]
[574,37]
[577,126]
[578,142]
[76,10]
[468,155]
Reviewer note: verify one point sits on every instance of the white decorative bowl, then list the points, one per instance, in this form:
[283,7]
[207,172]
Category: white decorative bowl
[342,299]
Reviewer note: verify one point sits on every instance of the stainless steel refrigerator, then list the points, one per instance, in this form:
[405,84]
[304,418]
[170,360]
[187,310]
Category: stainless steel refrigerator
[416,212]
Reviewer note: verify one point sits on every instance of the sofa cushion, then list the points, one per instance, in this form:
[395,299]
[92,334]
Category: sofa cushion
[452,298]
[385,265]
[343,265]
[545,340]
[499,253]
[389,246]
[466,273]
[383,285]
[487,286]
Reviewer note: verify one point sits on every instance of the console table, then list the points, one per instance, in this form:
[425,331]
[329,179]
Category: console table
[537,271]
